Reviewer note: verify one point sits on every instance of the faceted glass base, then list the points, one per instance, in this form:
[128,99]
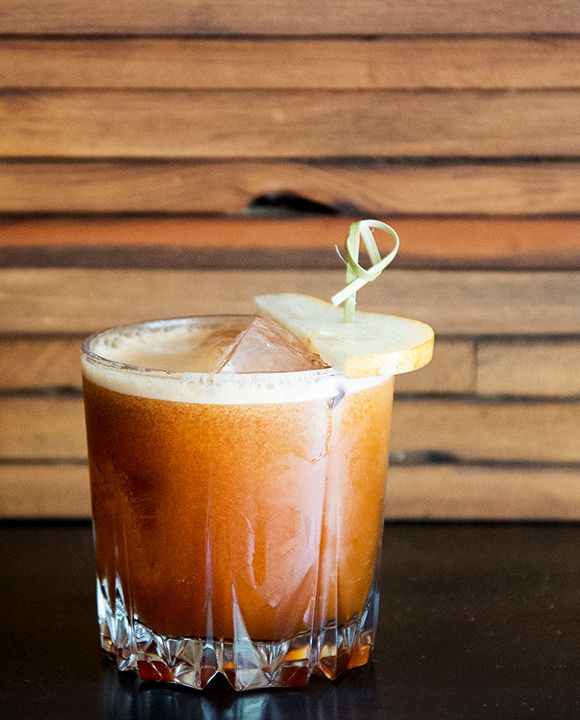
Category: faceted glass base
[247,664]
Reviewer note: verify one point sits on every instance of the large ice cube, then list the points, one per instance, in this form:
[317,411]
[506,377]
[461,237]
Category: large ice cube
[209,345]
[265,346]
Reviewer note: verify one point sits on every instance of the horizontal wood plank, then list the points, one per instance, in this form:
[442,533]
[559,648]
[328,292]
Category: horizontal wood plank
[228,187]
[453,302]
[410,63]
[290,123]
[467,430]
[426,492]
[53,427]
[42,427]
[452,370]
[280,17]
[251,243]
[529,368]
[44,491]
[456,492]
[33,364]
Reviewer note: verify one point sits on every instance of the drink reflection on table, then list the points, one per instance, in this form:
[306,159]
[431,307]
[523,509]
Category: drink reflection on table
[123,696]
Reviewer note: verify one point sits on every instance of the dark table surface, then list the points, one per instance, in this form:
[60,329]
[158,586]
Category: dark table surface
[477,621]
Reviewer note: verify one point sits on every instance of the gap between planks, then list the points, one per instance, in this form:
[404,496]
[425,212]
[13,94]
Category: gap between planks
[212,243]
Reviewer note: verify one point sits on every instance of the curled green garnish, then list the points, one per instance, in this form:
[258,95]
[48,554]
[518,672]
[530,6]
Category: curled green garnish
[356,275]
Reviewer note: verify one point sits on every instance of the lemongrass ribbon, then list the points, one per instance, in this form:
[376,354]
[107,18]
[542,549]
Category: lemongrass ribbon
[356,275]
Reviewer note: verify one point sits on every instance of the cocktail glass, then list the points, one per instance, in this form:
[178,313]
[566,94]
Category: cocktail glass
[237,515]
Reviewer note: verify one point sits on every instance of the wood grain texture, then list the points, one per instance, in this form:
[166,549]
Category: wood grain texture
[29,363]
[426,492]
[452,370]
[455,492]
[409,63]
[472,431]
[228,187]
[52,427]
[44,491]
[279,17]
[291,123]
[453,302]
[211,122]
[529,368]
[42,427]
[249,242]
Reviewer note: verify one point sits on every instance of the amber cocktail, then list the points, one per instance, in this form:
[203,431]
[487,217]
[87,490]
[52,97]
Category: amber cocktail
[237,491]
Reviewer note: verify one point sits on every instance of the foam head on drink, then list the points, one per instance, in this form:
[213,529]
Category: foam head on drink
[237,489]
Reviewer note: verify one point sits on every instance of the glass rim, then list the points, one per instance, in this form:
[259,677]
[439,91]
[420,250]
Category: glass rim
[184,375]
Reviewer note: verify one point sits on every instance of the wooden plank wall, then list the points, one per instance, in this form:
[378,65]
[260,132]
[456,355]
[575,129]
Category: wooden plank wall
[179,157]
